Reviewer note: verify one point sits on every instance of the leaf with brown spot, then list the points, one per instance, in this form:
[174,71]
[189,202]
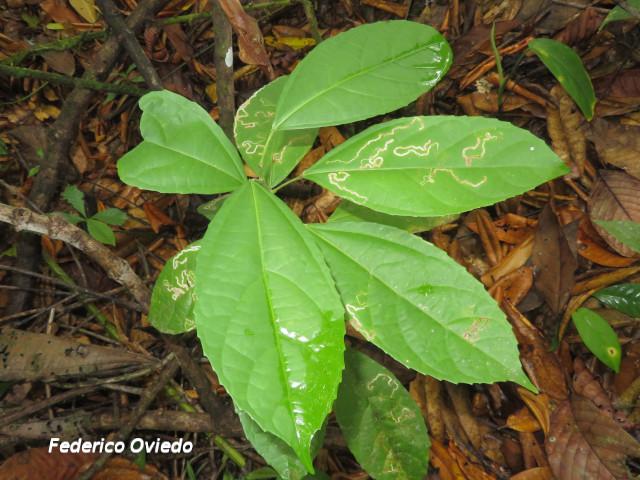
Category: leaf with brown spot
[615,197]
[585,442]
[553,261]
[617,144]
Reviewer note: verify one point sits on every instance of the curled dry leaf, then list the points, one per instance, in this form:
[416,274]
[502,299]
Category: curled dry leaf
[585,442]
[565,125]
[514,286]
[615,197]
[523,421]
[585,384]
[581,27]
[617,144]
[592,247]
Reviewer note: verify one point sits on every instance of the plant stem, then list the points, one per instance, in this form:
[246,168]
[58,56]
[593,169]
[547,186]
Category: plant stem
[501,79]
[288,182]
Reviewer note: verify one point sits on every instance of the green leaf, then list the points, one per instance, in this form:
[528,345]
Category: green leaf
[619,13]
[624,297]
[435,166]
[382,425]
[271,154]
[173,296]
[101,232]
[71,218]
[33,171]
[269,317]
[366,71]
[75,197]
[351,212]
[210,208]
[567,67]
[111,216]
[277,453]
[598,336]
[421,307]
[623,231]
[184,150]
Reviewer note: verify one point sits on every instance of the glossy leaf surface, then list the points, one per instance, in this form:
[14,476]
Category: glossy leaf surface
[271,154]
[624,297]
[173,296]
[382,425]
[624,231]
[565,64]
[184,150]
[434,166]
[598,336]
[366,71]
[269,317]
[351,212]
[421,307]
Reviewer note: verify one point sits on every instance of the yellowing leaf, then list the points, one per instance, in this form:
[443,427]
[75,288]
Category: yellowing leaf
[86,8]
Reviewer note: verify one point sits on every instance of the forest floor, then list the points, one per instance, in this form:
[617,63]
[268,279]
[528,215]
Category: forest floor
[68,112]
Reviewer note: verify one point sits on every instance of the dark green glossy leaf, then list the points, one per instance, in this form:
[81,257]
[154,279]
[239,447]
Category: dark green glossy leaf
[351,212]
[184,150]
[619,13]
[111,216]
[598,336]
[382,425]
[366,71]
[435,166]
[76,198]
[173,297]
[567,67]
[409,298]
[623,231]
[101,231]
[271,154]
[269,317]
[624,297]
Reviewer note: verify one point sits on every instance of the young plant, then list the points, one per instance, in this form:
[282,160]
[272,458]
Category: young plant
[272,295]
[599,337]
[98,225]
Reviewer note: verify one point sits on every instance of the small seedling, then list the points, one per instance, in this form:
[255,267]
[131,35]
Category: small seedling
[599,337]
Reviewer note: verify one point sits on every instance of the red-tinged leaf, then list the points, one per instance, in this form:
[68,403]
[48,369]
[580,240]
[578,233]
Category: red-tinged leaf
[586,443]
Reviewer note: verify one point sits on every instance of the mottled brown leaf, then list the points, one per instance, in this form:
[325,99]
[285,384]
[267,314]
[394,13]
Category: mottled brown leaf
[617,144]
[615,197]
[584,442]
[581,27]
[565,125]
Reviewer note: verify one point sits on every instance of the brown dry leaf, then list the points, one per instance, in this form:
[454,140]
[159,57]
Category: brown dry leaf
[514,286]
[623,87]
[398,9]
[330,137]
[513,261]
[250,40]
[539,405]
[62,62]
[537,473]
[618,145]
[318,208]
[309,159]
[523,421]
[59,11]
[565,125]
[581,27]
[593,248]
[477,102]
[615,197]
[585,442]
[553,261]
[585,384]
[471,470]
[180,42]
[441,459]
[157,218]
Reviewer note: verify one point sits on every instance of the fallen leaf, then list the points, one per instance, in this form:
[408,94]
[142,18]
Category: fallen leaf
[615,197]
[398,9]
[180,42]
[157,218]
[581,27]
[592,247]
[617,145]
[584,442]
[86,8]
[537,473]
[523,421]
[59,12]
[565,125]
[62,62]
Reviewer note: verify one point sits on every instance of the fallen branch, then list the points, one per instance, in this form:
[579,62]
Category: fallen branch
[58,228]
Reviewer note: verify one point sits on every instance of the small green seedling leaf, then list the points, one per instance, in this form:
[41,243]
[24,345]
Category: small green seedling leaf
[271,154]
[619,13]
[277,453]
[598,336]
[184,150]
[173,296]
[72,218]
[435,166]
[567,67]
[269,317]
[366,71]
[101,232]
[33,171]
[351,212]
[624,297]
[75,197]
[382,425]
[111,216]
[623,231]
[433,317]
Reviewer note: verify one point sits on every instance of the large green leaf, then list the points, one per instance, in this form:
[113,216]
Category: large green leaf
[351,212]
[624,297]
[566,66]
[271,154]
[434,166]
[269,317]
[409,298]
[277,453]
[184,150]
[172,300]
[363,72]
[624,231]
[382,425]
[598,336]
